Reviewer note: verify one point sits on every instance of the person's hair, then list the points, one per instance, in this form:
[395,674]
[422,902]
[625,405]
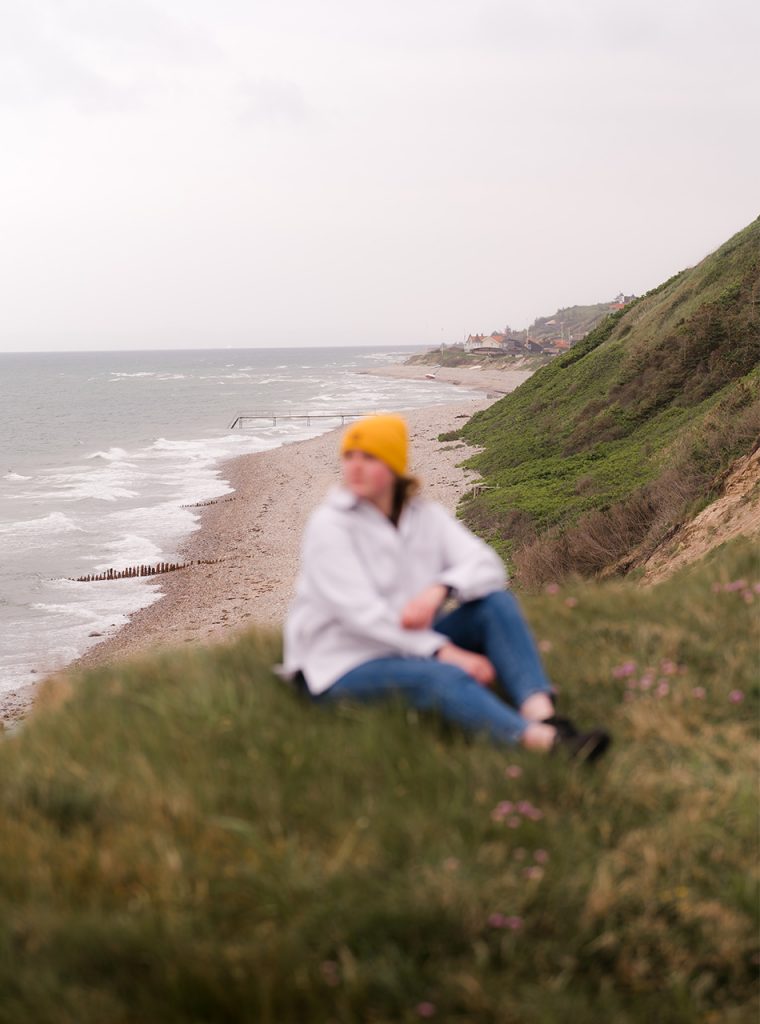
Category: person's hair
[405,487]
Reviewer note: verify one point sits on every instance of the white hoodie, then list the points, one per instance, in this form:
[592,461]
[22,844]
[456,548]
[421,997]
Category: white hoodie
[358,571]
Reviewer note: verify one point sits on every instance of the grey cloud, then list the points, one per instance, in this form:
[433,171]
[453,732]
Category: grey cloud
[595,26]
[274,100]
[536,25]
[135,26]
[99,57]
[36,67]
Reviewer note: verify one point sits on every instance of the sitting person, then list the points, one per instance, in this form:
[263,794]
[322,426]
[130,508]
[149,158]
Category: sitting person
[378,562]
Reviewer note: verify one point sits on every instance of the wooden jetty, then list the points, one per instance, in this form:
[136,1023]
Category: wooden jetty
[275,417]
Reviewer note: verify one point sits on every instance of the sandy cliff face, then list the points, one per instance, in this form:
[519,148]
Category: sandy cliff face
[735,513]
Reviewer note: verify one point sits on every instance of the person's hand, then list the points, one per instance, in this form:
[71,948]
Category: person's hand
[475,665]
[421,610]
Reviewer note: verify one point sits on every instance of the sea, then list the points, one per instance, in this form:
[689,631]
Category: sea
[105,456]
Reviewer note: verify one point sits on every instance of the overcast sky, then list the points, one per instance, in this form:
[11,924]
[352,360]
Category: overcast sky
[182,173]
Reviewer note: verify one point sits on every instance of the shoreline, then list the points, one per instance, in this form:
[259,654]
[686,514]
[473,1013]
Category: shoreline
[255,533]
[481,378]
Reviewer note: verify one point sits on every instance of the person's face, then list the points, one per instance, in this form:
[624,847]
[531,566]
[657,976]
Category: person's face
[367,477]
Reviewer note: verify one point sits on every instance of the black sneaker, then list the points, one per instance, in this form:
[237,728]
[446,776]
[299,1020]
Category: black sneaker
[565,726]
[583,747]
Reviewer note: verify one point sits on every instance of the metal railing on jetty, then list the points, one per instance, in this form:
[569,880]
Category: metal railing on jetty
[275,417]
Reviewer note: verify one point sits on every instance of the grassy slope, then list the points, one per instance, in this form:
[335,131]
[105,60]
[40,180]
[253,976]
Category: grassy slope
[638,418]
[181,839]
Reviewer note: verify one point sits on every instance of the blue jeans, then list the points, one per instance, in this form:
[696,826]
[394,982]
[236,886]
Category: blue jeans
[493,626]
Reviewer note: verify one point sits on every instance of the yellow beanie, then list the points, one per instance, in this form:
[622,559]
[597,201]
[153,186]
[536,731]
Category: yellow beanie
[385,437]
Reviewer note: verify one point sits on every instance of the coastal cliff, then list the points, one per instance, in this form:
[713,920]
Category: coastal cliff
[604,454]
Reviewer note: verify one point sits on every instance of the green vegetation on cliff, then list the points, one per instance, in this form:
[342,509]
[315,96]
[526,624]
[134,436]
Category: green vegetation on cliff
[594,459]
[458,357]
[182,839]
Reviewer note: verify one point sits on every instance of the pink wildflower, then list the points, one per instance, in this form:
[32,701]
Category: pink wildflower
[663,688]
[512,922]
[541,856]
[552,588]
[501,810]
[626,669]
[699,692]
[736,696]
[756,588]
[514,821]
[534,873]
[513,771]
[736,585]
[451,864]
[330,972]
[668,667]
[545,646]
[571,602]
[426,1010]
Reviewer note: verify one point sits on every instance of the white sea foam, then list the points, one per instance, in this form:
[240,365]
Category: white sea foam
[112,455]
[166,524]
[129,549]
[55,522]
[95,488]
[55,631]
[10,475]
[386,357]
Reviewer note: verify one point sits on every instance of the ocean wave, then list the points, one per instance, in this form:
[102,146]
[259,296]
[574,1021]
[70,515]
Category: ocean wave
[141,373]
[129,549]
[10,475]
[386,357]
[111,455]
[93,487]
[55,522]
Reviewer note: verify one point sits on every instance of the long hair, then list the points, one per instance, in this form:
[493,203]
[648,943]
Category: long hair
[406,487]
